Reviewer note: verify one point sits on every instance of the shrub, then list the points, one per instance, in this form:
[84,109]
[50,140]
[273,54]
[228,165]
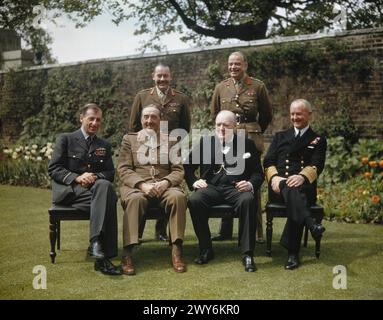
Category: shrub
[26,165]
[360,197]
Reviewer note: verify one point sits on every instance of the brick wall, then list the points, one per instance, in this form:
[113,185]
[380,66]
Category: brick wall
[188,69]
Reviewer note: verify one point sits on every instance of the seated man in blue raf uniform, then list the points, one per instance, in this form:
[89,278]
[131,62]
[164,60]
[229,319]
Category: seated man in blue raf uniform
[292,165]
[82,173]
[230,172]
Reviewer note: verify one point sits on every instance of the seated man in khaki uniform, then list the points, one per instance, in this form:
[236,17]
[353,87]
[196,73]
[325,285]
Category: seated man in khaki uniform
[148,178]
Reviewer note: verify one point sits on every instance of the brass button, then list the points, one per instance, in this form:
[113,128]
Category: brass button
[286,173]
[302,162]
[101,160]
[237,105]
[302,167]
[88,165]
[287,160]
[287,167]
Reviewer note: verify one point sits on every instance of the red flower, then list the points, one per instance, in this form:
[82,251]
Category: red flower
[381,163]
[372,164]
[364,160]
[367,174]
[375,199]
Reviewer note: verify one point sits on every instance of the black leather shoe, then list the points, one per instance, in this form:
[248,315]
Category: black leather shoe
[317,231]
[105,266]
[205,256]
[220,237]
[161,237]
[249,264]
[292,262]
[95,250]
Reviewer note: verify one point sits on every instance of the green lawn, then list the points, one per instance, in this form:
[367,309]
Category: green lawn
[24,243]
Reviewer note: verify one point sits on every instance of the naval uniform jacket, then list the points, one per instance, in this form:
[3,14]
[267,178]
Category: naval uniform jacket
[288,156]
[72,157]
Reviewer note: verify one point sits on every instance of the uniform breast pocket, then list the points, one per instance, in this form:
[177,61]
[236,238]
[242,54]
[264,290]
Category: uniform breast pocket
[226,103]
[250,104]
[75,159]
[173,111]
[99,163]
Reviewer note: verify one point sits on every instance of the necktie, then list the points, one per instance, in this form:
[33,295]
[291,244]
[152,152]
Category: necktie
[298,135]
[89,141]
[237,86]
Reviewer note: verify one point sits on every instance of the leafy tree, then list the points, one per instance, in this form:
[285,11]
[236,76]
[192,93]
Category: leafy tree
[18,15]
[211,21]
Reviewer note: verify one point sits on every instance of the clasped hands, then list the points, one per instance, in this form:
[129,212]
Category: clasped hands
[154,190]
[295,180]
[86,179]
[241,186]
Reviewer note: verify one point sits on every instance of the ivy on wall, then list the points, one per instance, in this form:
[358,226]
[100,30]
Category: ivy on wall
[47,101]
[66,90]
[297,70]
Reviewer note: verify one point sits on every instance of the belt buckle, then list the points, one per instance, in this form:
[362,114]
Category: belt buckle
[238,118]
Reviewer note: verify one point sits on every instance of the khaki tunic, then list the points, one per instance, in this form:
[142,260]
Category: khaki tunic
[175,109]
[251,105]
[132,171]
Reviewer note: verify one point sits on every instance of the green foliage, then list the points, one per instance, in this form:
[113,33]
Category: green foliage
[340,123]
[343,163]
[359,199]
[202,96]
[325,60]
[21,94]
[351,186]
[68,89]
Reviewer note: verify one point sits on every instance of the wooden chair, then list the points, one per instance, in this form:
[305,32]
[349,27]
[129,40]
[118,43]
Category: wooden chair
[59,213]
[279,210]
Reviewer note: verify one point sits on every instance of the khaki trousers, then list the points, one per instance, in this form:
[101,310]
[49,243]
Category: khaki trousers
[135,205]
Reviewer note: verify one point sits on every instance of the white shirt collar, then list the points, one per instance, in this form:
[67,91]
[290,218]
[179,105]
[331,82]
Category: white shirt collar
[85,134]
[301,130]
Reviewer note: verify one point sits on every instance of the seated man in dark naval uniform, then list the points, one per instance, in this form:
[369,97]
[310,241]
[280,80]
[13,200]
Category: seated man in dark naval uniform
[82,173]
[292,165]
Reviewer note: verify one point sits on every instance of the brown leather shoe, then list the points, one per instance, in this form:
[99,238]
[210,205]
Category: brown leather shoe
[178,264]
[127,266]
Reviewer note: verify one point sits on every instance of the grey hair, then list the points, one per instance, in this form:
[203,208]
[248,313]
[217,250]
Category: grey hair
[239,53]
[231,115]
[305,103]
[150,106]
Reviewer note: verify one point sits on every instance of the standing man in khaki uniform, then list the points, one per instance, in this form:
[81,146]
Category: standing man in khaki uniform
[149,178]
[249,100]
[174,107]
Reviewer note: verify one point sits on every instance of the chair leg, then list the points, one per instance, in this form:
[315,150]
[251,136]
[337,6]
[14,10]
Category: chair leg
[317,247]
[269,234]
[141,226]
[58,234]
[52,237]
[306,237]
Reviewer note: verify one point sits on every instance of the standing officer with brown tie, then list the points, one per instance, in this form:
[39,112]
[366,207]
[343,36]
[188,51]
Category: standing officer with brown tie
[249,100]
[174,107]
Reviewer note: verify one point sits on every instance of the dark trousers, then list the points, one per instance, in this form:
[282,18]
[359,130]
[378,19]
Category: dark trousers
[202,200]
[100,200]
[297,201]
